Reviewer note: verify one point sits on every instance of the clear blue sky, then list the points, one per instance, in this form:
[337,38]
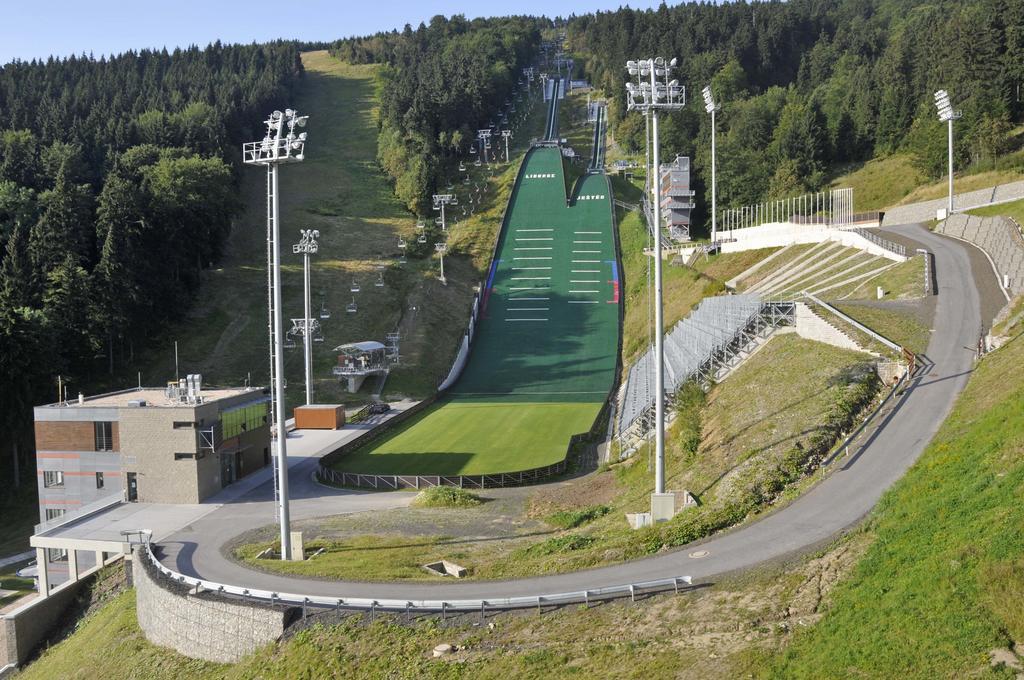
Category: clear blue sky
[38,28]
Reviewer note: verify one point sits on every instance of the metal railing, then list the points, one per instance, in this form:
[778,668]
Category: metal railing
[481,605]
[881,242]
[395,482]
[929,272]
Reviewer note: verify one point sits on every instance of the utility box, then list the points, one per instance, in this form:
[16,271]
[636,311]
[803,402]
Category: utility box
[320,417]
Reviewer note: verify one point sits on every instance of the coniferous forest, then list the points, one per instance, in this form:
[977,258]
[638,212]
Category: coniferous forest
[117,187]
[806,85]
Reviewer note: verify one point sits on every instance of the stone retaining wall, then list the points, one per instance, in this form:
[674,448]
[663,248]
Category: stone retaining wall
[997,236]
[204,625]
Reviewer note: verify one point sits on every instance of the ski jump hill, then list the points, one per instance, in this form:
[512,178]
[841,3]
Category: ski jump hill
[545,354]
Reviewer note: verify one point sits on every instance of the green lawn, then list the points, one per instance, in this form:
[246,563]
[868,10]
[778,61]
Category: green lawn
[1014,210]
[471,437]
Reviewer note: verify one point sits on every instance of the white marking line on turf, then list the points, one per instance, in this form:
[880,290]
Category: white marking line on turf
[586,232]
[529,288]
[585,271]
[529,299]
[586,252]
[525,319]
[522,269]
[584,291]
[540,239]
[527,309]
[586,261]
[583,281]
[531,278]
[531,258]
[585,241]
[519,230]
[540,248]
[582,302]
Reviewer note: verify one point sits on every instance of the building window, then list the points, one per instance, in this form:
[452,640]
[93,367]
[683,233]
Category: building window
[184,456]
[243,419]
[184,425]
[104,435]
[56,555]
[54,513]
[53,479]
[99,480]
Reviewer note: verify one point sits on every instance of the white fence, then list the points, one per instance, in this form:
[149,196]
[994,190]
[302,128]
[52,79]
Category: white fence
[832,208]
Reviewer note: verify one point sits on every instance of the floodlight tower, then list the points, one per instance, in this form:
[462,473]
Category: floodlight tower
[442,248]
[506,134]
[307,246]
[440,201]
[651,92]
[277,147]
[711,107]
[947,115]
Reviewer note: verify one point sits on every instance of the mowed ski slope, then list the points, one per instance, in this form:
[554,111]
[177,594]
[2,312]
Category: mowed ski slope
[544,357]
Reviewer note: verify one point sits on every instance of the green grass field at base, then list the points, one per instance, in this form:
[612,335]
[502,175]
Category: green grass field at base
[470,437]
[1014,210]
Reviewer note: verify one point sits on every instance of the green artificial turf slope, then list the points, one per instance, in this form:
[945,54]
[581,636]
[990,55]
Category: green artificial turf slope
[544,356]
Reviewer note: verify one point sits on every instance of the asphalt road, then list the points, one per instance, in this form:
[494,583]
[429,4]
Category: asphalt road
[825,511]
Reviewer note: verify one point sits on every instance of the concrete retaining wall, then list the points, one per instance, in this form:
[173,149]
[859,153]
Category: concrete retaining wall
[925,210]
[784,234]
[997,236]
[811,326]
[202,626]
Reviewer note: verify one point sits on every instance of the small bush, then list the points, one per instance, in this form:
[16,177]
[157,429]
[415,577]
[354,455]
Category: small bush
[446,497]
[570,519]
[561,544]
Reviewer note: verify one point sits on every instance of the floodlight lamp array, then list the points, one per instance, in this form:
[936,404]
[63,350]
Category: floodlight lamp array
[278,146]
[945,107]
[709,100]
[652,88]
[307,245]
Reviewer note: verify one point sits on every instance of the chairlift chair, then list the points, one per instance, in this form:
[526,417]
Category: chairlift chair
[401,243]
[438,221]
[355,286]
[466,179]
[421,225]
[462,166]
[289,341]
[319,337]
[449,187]
[324,312]
[477,163]
[379,283]
[351,308]
[422,238]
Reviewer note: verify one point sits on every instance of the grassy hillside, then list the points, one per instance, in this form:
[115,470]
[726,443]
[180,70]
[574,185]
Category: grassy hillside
[893,180]
[943,582]
[339,190]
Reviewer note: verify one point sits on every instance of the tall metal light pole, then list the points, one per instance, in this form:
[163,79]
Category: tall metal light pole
[307,246]
[275,148]
[947,115]
[651,92]
[711,107]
